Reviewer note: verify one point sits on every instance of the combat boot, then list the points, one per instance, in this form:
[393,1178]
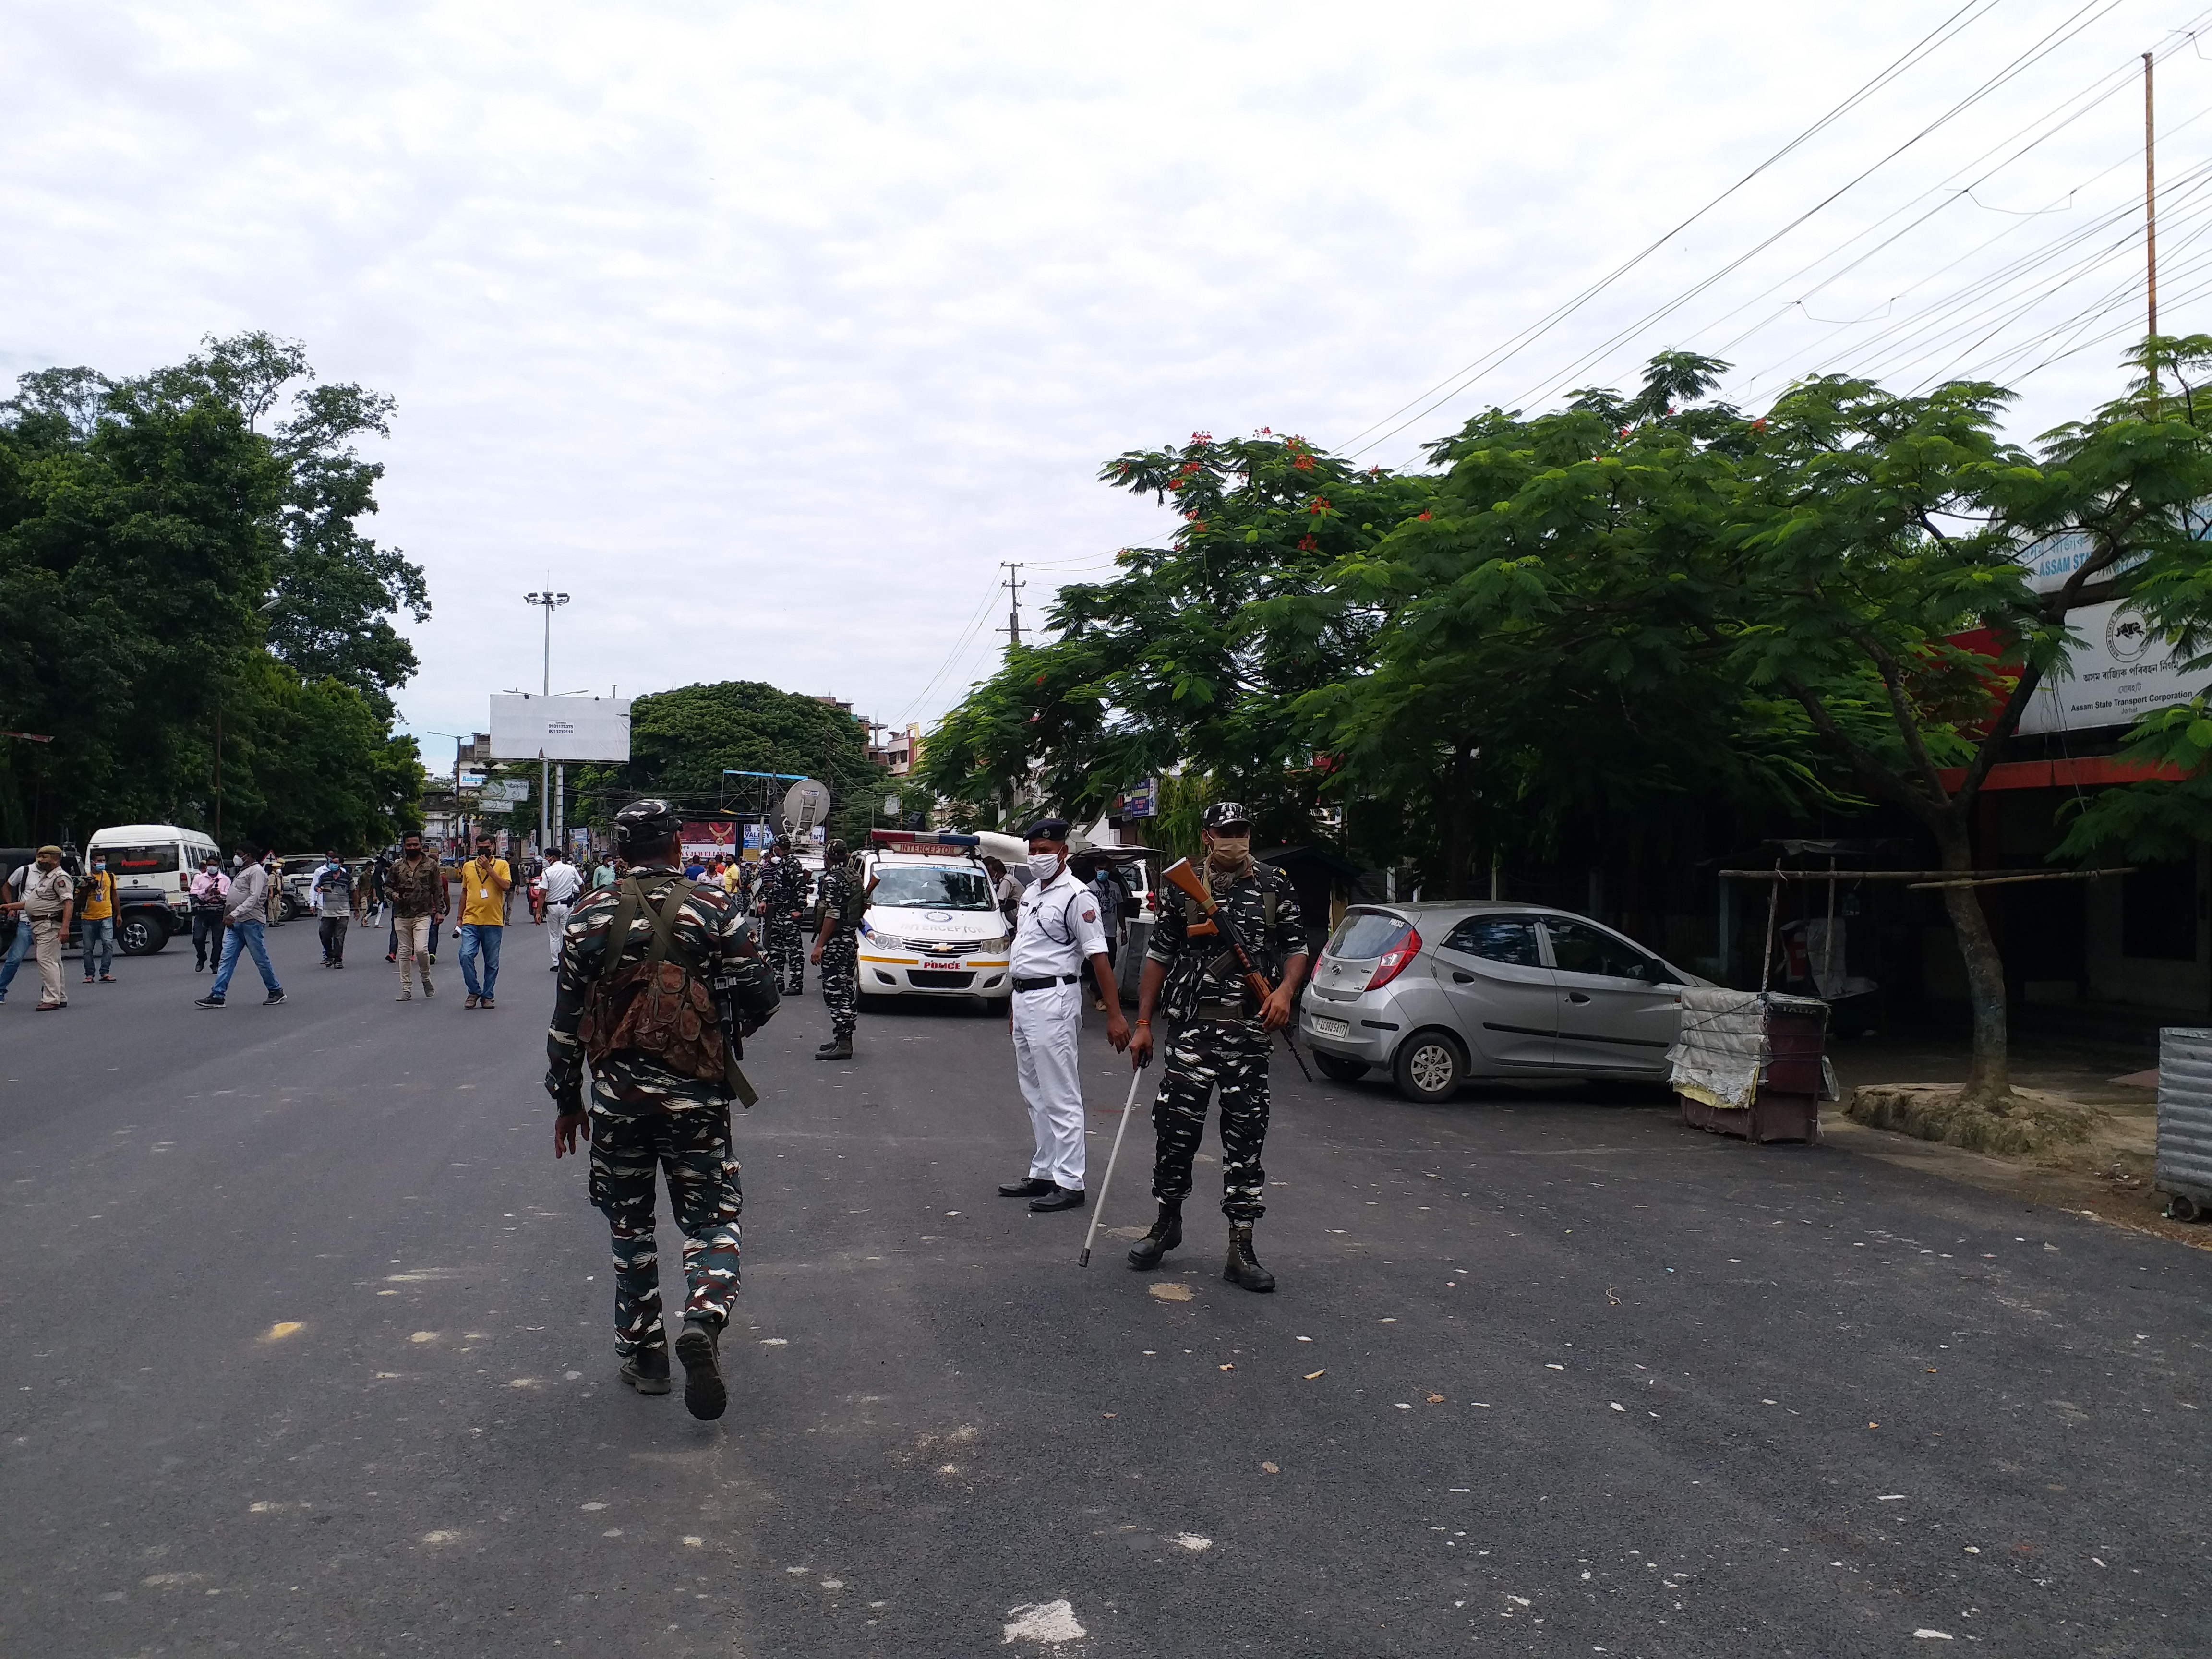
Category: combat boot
[1243,1268]
[1166,1234]
[700,1349]
[647,1369]
[837,1048]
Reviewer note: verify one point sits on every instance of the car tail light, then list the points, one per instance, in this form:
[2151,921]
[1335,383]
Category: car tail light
[1393,960]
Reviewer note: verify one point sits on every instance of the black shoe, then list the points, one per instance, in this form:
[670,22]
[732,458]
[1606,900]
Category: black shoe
[839,1049]
[647,1370]
[1059,1198]
[272,999]
[1243,1268]
[209,1002]
[704,1395]
[1033,1188]
[1166,1234]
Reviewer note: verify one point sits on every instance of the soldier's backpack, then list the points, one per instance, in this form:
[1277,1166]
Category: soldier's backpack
[660,1005]
[856,903]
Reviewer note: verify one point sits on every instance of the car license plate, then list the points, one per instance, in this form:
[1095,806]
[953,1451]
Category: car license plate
[936,971]
[1335,1028]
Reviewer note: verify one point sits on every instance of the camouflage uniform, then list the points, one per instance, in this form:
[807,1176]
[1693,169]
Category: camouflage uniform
[1218,1040]
[841,956]
[641,1114]
[782,896]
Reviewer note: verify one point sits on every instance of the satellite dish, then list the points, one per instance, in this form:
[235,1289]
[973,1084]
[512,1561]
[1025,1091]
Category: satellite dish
[805,804]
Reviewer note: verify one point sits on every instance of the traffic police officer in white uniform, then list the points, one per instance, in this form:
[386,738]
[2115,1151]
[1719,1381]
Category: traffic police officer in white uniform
[563,881]
[1055,931]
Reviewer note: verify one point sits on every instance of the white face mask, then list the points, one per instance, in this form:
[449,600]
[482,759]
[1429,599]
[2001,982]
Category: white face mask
[1044,865]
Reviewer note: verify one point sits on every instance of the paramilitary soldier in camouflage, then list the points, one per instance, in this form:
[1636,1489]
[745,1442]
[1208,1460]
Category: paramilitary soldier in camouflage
[837,951]
[641,963]
[1222,1035]
[782,897]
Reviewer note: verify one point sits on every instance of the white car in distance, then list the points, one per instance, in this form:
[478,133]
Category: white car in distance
[933,926]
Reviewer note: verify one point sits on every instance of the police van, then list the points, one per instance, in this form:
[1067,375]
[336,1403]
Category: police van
[153,865]
[932,926]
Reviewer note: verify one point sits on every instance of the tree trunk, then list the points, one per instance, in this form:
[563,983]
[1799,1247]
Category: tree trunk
[1456,823]
[1989,1076]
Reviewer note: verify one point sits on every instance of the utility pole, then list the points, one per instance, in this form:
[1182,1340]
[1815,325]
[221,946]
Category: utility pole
[2150,223]
[1013,585]
[549,602]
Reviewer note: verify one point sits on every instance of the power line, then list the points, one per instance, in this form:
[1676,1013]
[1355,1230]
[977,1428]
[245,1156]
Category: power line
[2050,43]
[1511,347]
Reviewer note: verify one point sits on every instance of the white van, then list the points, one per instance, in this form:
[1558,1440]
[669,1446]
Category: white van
[153,865]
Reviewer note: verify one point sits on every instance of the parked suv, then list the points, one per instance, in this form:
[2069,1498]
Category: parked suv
[1440,992]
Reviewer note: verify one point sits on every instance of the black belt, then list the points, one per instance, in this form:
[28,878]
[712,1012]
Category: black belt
[1047,982]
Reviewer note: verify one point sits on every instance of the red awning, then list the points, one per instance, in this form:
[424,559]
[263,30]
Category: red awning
[2090,772]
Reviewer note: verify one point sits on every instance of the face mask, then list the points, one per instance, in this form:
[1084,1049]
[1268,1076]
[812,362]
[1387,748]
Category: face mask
[1044,865]
[413,852]
[1229,855]
[98,865]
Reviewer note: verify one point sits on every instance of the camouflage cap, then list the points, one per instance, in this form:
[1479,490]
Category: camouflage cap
[1224,813]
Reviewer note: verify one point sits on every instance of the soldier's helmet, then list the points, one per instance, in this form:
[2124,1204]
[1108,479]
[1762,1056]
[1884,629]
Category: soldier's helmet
[645,824]
[833,854]
[1225,814]
[783,844]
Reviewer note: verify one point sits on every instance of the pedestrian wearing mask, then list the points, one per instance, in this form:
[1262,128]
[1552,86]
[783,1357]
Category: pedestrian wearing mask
[1222,1036]
[563,882]
[11,904]
[207,898]
[334,893]
[1056,934]
[246,915]
[484,881]
[95,920]
[414,886]
[1006,890]
[49,895]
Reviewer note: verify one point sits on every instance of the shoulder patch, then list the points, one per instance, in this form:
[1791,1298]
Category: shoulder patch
[1089,913]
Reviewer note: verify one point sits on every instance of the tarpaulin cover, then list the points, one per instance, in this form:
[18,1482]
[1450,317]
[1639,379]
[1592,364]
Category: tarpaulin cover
[1723,1043]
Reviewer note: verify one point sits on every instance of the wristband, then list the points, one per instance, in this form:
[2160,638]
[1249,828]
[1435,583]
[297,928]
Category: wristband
[1145,1022]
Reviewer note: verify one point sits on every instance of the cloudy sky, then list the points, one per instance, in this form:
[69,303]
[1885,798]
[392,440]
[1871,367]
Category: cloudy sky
[768,332]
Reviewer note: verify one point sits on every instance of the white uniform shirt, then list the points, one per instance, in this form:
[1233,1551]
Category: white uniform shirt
[563,882]
[1056,929]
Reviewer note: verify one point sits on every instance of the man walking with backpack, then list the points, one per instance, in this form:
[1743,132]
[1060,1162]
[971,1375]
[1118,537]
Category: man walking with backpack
[837,951]
[639,964]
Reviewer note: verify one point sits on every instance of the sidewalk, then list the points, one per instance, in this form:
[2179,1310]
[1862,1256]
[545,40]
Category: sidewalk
[2106,1179]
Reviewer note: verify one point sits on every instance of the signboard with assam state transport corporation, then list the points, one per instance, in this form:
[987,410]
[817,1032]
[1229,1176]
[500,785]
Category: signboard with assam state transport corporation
[525,726]
[2120,671]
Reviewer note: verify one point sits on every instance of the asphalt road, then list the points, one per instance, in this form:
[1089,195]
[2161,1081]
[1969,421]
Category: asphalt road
[306,1351]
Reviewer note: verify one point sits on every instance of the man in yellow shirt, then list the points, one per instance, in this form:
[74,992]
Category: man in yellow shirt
[484,881]
[95,922]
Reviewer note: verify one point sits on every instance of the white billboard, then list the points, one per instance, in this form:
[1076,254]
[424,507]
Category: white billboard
[525,726]
[2122,670]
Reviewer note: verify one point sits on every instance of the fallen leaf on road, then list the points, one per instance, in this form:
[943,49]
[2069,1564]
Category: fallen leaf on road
[1172,1293]
[1229,1368]
[282,1329]
[1436,1399]
[1270,1469]
[1323,1372]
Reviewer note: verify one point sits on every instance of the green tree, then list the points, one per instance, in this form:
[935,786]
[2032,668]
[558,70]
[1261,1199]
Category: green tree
[682,741]
[1544,665]
[145,530]
[1179,659]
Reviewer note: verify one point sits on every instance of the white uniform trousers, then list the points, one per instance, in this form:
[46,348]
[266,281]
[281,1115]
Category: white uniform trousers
[1046,1025]
[557,923]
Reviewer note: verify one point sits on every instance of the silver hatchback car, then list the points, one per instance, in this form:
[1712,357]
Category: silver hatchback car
[1442,992]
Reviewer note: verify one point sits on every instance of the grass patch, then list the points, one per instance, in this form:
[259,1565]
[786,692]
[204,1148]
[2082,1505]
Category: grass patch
[2032,1124]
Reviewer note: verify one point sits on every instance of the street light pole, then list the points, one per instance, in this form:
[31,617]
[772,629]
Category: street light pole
[549,602]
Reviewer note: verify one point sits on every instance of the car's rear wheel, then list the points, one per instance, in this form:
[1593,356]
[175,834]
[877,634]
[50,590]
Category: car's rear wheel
[1428,1067]
[141,933]
[1340,1067]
